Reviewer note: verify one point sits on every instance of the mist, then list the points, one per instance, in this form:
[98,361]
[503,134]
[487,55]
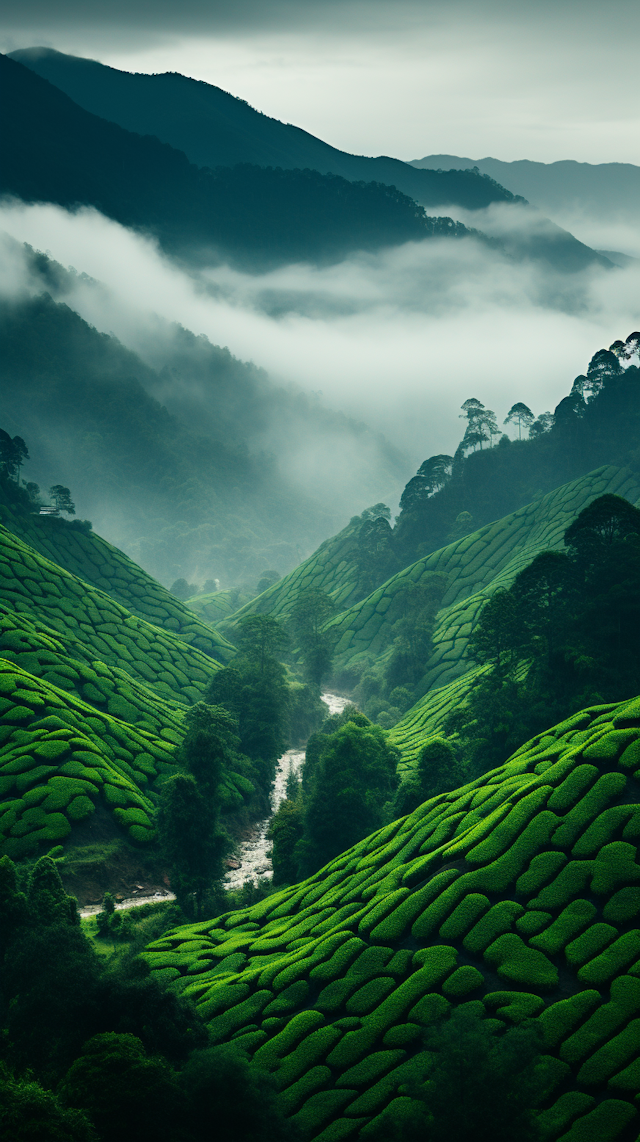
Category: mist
[397,339]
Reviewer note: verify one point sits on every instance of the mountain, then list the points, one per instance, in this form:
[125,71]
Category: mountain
[216,129]
[54,151]
[515,897]
[192,489]
[565,190]
[213,128]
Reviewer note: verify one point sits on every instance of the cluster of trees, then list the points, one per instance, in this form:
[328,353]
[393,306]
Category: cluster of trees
[597,423]
[565,635]
[94,1050]
[347,787]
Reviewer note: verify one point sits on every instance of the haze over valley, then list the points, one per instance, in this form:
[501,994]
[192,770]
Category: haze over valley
[320,567]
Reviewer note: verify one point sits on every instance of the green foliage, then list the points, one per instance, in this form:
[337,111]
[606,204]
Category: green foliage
[29,1113]
[190,838]
[309,613]
[353,779]
[124,1091]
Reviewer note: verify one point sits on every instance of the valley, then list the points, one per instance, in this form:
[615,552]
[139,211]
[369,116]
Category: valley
[320,737]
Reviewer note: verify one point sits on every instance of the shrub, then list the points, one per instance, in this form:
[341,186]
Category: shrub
[520,964]
[494,923]
[572,920]
[586,946]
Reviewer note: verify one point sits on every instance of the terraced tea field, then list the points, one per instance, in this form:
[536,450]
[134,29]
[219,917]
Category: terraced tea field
[92,701]
[92,559]
[517,895]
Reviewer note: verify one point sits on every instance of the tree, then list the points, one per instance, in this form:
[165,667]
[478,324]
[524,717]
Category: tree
[602,523]
[192,848]
[130,1096]
[604,367]
[418,604]
[255,691]
[481,1086]
[28,1113]
[310,611]
[285,831]
[232,1100]
[61,497]
[183,590]
[259,638]
[438,771]
[521,415]
[495,637]
[353,779]
[436,471]
[13,453]
[541,425]
[190,838]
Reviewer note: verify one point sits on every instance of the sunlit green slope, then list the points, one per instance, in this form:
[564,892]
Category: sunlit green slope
[518,893]
[86,615]
[91,558]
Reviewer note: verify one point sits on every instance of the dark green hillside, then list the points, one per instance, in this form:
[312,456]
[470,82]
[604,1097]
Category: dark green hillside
[516,896]
[87,556]
[475,566]
[216,129]
[179,499]
[334,568]
[54,151]
[597,423]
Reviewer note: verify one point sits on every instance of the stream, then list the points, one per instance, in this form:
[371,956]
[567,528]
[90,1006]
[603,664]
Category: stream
[252,853]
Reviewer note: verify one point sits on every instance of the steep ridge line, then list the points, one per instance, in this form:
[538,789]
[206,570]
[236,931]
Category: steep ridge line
[517,894]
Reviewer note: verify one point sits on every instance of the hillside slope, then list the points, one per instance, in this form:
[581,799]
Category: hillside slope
[215,129]
[92,704]
[89,616]
[517,894]
[475,567]
[54,151]
[88,556]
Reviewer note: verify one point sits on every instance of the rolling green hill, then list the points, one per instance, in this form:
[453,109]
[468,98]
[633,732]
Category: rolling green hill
[517,894]
[87,556]
[92,697]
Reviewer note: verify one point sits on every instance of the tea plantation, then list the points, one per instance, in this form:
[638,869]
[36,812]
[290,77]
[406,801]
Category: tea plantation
[517,894]
[475,566]
[92,701]
[90,558]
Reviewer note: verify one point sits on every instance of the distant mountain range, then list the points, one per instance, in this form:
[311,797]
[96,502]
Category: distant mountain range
[565,190]
[230,182]
[215,129]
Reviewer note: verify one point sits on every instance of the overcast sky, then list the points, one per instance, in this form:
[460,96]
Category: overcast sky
[544,81]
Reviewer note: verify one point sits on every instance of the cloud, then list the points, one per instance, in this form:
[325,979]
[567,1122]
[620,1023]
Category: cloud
[397,339]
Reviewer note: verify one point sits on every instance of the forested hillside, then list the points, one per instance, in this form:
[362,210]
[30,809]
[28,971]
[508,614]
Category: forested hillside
[54,151]
[196,492]
[510,899]
[215,129]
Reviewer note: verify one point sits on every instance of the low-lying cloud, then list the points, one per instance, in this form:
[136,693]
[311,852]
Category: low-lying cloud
[398,339]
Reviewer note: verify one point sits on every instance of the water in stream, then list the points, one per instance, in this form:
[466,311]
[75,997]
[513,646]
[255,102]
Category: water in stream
[252,853]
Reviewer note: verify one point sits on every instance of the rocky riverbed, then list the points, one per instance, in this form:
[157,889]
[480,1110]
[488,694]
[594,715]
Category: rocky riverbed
[253,862]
